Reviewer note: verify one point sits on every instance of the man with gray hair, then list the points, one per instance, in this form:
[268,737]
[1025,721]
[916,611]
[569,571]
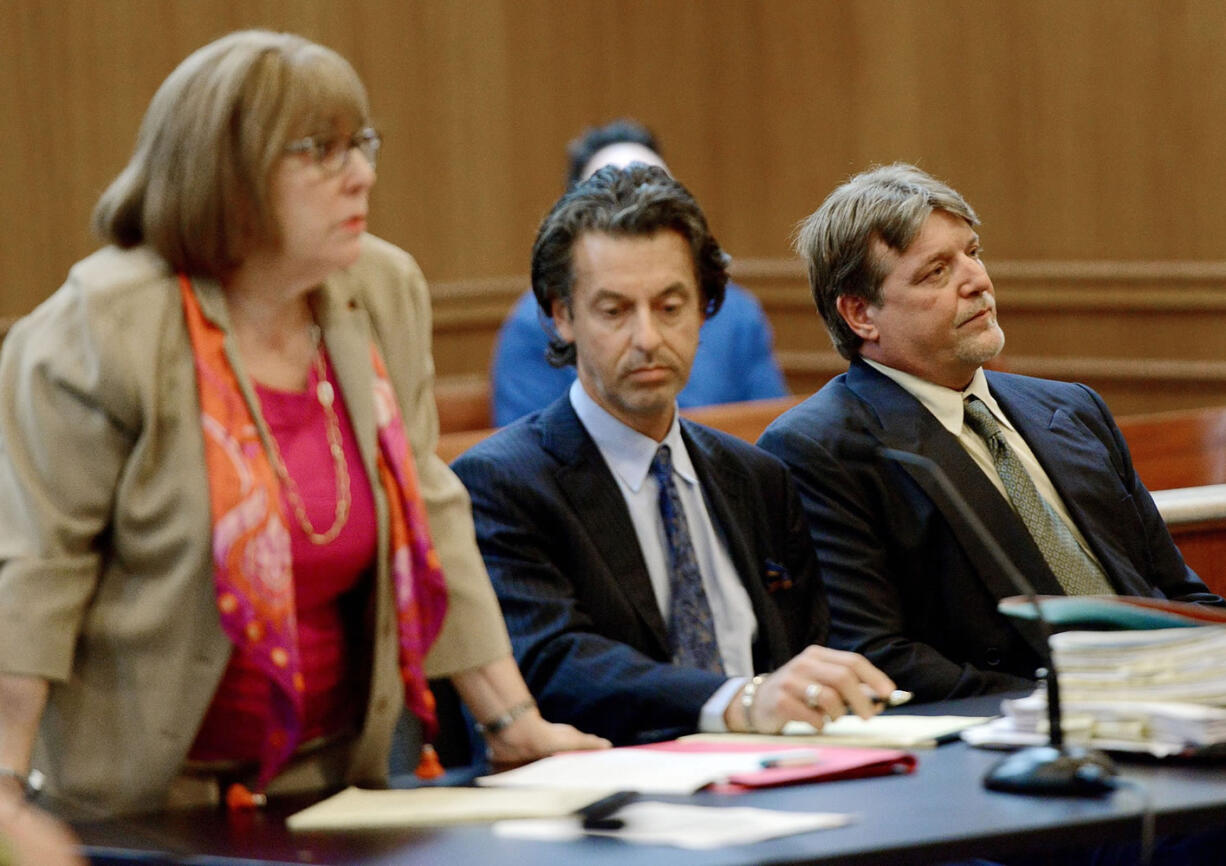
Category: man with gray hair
[895,268]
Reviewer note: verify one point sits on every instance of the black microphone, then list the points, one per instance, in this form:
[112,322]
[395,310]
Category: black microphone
[1051,769]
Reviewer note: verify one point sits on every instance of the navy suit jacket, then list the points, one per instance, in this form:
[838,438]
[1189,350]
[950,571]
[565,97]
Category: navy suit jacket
[910,585]
[563,556]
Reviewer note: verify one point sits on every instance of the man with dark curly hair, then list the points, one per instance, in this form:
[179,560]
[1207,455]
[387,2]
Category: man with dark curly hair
[656,575]
[735,360]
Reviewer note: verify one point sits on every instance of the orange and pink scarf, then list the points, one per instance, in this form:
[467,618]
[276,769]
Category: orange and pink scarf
[253,569]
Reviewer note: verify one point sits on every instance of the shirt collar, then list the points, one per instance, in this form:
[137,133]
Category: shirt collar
[944,403]
[628,452]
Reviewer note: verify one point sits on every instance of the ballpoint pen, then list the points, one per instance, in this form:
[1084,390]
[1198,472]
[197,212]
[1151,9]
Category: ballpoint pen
[896,698]
[598,815]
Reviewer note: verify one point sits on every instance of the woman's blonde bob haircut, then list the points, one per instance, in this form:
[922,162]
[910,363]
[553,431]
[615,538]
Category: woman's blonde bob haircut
[197,187]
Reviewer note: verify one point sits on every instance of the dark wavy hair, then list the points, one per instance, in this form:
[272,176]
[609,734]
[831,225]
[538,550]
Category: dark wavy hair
[595,139]
[636,201]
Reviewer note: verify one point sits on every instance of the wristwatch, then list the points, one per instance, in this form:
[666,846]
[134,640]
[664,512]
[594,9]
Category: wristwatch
[31,783]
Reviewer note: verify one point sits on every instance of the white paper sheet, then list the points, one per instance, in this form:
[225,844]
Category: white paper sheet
[698,827]
[647,771]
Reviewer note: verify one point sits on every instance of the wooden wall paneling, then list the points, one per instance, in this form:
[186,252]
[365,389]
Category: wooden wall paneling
[1178,449]
[81,75]
[467,315]
[1203,546]
[1149,336]
[441,75]
[1066,151]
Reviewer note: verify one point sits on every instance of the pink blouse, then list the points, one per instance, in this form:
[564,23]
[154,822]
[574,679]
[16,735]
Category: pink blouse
[331,608]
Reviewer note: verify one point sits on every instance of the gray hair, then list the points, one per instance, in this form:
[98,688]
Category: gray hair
[887,203]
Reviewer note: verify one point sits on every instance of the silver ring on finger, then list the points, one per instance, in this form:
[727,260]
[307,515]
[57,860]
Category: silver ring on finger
[813,691]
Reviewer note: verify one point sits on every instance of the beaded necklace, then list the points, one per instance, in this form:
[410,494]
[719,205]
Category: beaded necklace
[327,397]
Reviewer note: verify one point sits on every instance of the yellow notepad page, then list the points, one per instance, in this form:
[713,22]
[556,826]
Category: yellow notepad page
[885,732]
[362,809]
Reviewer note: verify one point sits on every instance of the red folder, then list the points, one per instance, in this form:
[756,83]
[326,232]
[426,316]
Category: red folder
[832,763]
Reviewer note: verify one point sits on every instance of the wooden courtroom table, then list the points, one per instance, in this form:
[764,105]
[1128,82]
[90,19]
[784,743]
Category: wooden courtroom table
[940,812]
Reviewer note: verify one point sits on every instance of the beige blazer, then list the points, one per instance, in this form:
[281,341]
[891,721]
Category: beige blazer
[106,584]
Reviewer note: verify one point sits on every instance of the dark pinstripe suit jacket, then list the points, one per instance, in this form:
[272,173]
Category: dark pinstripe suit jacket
[564,559]
[911,587]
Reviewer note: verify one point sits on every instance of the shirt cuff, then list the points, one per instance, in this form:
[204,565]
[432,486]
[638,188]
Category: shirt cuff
[711,718]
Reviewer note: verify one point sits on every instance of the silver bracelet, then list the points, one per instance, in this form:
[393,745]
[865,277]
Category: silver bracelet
[747,699]
[496,726]
[31,783]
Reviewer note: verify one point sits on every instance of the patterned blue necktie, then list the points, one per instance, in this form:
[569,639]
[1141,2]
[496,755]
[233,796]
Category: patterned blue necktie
[691,628]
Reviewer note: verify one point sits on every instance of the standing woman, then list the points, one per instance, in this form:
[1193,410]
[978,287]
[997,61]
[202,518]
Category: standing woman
[227,550]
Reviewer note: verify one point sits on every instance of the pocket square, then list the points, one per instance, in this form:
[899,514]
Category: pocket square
[777,577]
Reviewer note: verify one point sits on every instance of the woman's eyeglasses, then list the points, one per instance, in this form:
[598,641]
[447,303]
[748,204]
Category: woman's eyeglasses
[332,154]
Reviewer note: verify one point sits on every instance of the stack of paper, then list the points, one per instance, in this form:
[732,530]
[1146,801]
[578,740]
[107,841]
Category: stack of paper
[886,732]
[630,769]
[1161,691]
[683,825]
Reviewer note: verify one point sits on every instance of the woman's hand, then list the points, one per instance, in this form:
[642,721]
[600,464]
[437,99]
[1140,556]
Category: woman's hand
[31,837]
[512,726]
[530,737]
[817,684]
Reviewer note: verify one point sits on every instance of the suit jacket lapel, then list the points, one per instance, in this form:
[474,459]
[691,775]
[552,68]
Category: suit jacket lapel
[726,491]
[592,492]
[723,486]
[906,425]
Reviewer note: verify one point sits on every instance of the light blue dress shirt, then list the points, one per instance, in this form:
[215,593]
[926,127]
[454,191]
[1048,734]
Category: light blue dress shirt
[628,455]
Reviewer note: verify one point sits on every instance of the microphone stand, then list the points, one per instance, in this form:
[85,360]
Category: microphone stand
[1051,769]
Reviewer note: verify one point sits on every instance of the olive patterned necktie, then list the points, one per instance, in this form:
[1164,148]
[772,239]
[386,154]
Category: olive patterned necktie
[1076,571]
[691,628]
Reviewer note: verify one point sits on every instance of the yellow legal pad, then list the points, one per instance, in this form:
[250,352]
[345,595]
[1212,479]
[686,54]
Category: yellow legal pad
[363,809]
